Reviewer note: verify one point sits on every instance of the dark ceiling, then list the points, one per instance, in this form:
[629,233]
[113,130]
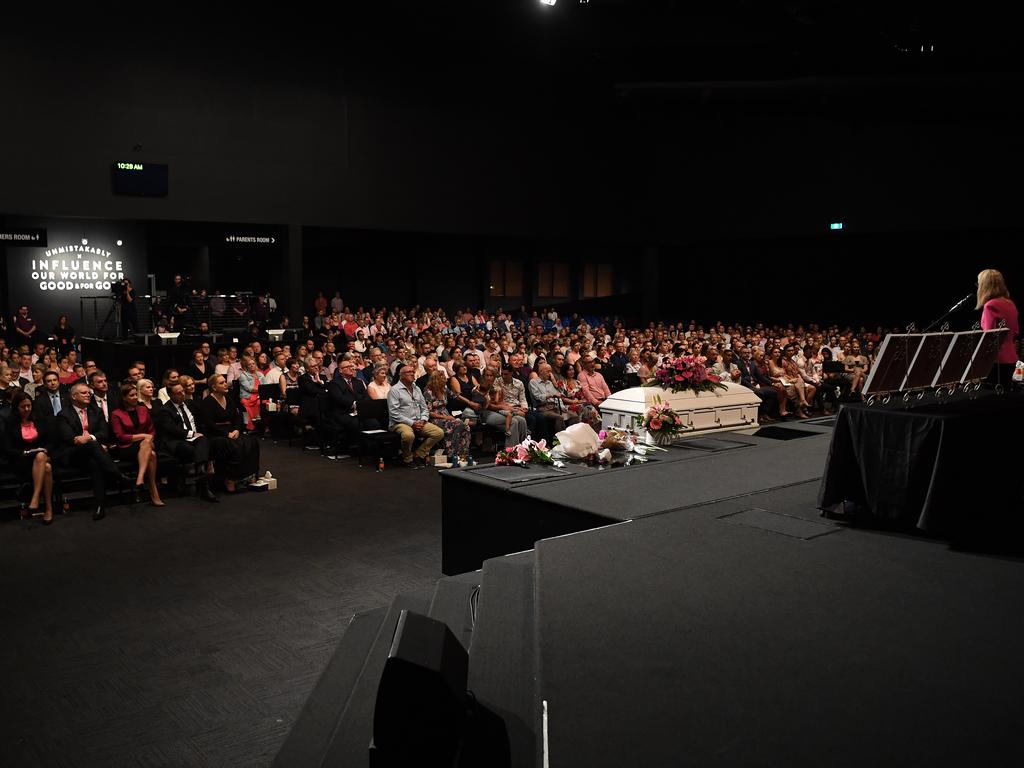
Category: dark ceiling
[669,40]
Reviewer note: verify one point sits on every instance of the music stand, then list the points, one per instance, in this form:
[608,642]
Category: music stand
[925,366]
[892,363]
[958,359]
[986,354]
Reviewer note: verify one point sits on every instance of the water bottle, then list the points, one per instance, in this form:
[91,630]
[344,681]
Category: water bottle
[1018,372]
[380,464]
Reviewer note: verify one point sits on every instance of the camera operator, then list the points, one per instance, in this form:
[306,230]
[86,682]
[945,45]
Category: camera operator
[124,293]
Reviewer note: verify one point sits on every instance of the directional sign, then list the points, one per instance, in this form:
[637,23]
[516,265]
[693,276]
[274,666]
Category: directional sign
[23,236]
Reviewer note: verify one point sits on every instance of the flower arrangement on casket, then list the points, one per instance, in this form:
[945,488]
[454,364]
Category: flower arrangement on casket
[687,373]
[527,452]
[661,421]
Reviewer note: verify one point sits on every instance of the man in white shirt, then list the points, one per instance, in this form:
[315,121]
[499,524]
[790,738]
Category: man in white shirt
[277,369]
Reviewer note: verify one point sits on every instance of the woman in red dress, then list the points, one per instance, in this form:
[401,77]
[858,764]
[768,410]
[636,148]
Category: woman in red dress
[135,433]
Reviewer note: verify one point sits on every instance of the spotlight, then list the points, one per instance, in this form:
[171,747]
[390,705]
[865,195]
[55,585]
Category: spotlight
[84,241]
[119,243]
[548,2]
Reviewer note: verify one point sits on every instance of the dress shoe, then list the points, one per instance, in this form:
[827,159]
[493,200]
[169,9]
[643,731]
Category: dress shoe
[137,494]
[99,514]
[207,495]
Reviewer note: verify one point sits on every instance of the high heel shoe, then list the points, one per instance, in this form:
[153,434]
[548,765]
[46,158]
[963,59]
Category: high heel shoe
[48,518]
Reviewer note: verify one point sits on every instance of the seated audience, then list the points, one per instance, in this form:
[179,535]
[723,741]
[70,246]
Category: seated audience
[592,384]
[408,416]
[135,435]
[99,386]
[290,378]
[456,431]
[25,444]
[573,399]
[199,370]
[344,394]
[249,381]
[236,456]
[50,400]
[380,386]
[548,399]
[146,392]
[177,430]
[495,412]
[81,439]
[170,377]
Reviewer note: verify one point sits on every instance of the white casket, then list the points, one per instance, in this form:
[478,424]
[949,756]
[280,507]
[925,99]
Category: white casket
[732,409]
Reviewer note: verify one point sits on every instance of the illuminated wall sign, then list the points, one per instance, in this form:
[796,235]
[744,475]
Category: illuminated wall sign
[140,179]
[82,259]
[76,268]
[250,239]
[23,236]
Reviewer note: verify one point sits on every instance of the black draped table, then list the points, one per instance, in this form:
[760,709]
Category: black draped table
[939,467]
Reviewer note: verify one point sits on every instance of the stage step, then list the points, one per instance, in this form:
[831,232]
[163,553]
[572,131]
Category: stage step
[351,740]
[313,729]
[452,604]
[502,669]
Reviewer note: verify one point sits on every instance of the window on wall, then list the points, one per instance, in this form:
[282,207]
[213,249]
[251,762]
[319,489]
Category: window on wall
[506,278]
[552,279]
[597,280]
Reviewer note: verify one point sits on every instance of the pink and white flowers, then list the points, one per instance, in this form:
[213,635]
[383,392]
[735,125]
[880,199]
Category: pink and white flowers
[661,420]
[685,373]
[529,451]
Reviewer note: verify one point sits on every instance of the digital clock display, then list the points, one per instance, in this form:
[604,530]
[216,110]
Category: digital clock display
[140,179]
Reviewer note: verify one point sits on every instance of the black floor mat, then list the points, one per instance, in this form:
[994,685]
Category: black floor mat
[784,433]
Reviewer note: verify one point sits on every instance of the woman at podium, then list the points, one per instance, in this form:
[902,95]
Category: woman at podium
[997,310]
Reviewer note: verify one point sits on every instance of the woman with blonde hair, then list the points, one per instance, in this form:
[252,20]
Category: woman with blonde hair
[996,310]
[456,432]
[145,390]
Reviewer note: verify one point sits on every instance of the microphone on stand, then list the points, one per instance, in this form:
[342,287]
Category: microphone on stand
[952,309]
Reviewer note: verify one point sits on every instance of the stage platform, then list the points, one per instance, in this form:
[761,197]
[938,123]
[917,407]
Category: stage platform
[707,614]
[489,511]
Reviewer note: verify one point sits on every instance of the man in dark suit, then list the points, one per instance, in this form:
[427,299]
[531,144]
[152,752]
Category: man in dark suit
[345,394]
[178,432]
[100,394]
[81,435]
[50,400]
[313,400]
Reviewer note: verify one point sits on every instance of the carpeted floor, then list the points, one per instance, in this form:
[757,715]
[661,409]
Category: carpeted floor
[191,635]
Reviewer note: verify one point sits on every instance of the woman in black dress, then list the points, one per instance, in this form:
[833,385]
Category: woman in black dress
[25,442]
[64,334]
[199,369]
[236,455]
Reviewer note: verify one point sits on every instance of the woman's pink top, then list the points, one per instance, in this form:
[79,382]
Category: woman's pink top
[29,433]
[1002,309]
